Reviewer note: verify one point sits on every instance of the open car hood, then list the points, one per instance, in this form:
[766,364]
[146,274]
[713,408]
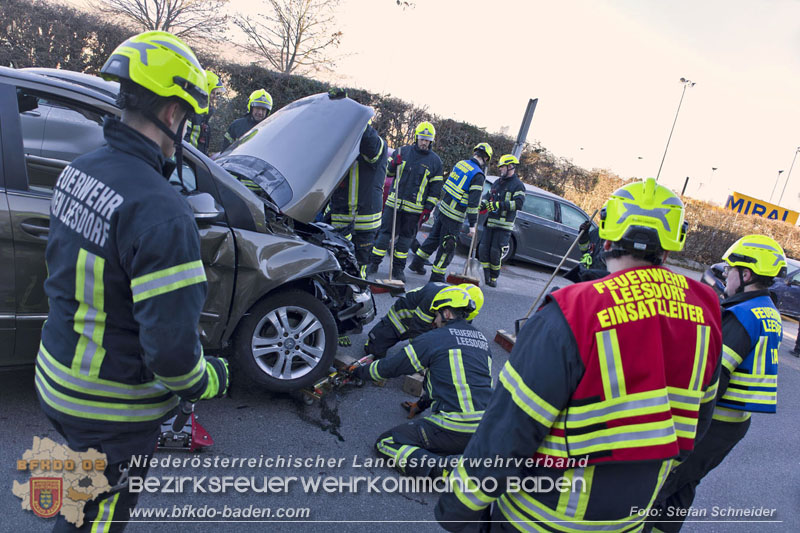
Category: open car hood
[298,155]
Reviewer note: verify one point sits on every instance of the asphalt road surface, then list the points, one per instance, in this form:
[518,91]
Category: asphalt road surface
[763,471]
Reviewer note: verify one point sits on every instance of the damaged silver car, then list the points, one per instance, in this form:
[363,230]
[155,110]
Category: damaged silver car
[281,288]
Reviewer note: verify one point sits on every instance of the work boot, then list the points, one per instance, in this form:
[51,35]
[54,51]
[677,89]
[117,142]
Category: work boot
[372,268]
[437,277]
[398,274]
[795,353]
[491,282]
[417,266]
[487,275]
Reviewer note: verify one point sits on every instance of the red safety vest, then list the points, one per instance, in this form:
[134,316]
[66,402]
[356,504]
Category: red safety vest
[650,341]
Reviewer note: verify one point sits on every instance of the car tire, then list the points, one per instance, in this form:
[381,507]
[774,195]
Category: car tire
[509,255]
[286,342]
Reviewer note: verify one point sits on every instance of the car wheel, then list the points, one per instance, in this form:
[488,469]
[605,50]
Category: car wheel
[509,255]
[287,341]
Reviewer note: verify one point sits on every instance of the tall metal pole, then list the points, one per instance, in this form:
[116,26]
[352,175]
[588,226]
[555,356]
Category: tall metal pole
[686,83]
[789,175]
[776,184]
[524,127]
[685,183]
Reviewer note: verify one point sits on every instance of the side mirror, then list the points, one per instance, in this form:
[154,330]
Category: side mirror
[205,208]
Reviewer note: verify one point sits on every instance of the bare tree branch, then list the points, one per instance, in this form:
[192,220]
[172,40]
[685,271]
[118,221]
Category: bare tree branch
[293,35]
[188,19]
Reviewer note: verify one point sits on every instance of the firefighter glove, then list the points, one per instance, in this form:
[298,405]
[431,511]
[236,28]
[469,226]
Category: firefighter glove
[494,206]
[218,378]
[426,214]
[336,93]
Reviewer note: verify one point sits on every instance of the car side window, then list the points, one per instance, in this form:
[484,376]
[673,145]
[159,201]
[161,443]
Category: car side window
[572,217]
[55,132]
[541,207]
[794,277]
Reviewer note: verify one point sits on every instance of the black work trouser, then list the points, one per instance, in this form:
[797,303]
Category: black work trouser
[443,236]
[679,490]
[492,248]
[406,231]
[382,337]
[418,442]
[363,242]
[111,510]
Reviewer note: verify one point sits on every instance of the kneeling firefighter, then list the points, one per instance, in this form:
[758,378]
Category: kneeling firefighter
[411,315]
[458,381]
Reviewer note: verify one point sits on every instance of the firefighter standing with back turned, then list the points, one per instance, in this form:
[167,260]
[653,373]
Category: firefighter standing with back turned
[458,385]
[462,194]
[751,335]
[126,285]
[417,173]
[502,202]
[357,200]
[619,373]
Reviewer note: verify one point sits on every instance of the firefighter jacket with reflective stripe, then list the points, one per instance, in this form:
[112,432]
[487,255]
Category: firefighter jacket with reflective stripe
[126,286]
[537,391]
[462,192]
[238,127]
[411,314]
[198,131]
[591,246]
[510,193]
[753,384]
[417,179]
[359,197]
[458,381]
[635,403]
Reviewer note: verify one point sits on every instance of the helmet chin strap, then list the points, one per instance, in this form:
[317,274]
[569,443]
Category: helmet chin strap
[176,138]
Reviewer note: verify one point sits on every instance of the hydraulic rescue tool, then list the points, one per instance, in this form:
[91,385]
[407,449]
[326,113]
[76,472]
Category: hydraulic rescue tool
[183,432]
[341,374]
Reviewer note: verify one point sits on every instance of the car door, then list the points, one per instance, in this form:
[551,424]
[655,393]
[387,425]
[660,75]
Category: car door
[539,232]
[788,292]
[571,219]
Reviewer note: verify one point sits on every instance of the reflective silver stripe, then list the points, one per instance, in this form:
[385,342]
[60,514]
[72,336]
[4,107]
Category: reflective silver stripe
[731,394]
[462,427]
[608,348]
[191,377]
[87,409]
[575,496]
[167,280]
[675,397]
[107,505]
[462,417]
[66,379]
[731,413]
[633,434]
[618,408]
[732,358]
[700,356]
[688,428]
[460,381]
[412,356]
[520,396]
[754,380]
[91,314]
[551,442]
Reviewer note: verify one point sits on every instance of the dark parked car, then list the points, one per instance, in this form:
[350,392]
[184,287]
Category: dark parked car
[786,288]
[544,228]
[272,273]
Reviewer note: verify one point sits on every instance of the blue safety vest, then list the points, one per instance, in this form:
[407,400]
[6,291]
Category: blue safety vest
[457,184]
[754,381]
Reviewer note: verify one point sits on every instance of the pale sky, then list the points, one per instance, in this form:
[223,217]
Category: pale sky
[606,74]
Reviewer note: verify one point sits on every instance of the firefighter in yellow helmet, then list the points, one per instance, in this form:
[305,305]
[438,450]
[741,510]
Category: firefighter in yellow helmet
[198,131]
[502,202]
[121,347]
[624,387]
[259,106]
[462,194]
[751,334]
[416,172]
[458,381]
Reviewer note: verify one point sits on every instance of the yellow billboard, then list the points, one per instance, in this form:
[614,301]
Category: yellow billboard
[752,206]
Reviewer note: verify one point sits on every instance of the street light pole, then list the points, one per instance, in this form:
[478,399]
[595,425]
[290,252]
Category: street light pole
[776,184]
[788,176]
[686,83]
